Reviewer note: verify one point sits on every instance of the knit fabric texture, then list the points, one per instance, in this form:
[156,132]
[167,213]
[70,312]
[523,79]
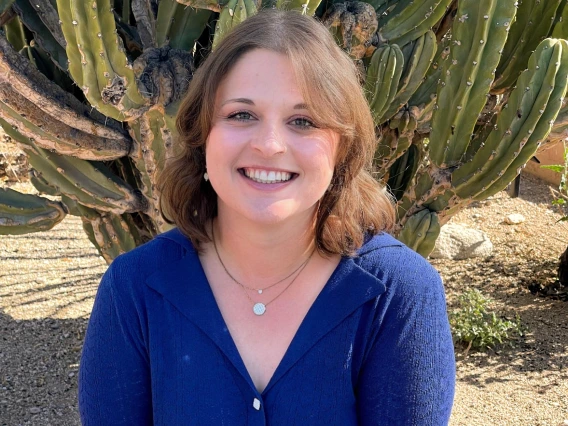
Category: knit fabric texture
[374,348]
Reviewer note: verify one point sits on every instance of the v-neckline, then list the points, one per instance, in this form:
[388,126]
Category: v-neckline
[219,318]
[347,288]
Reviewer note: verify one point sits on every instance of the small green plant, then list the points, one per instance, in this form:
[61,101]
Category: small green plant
[473,325]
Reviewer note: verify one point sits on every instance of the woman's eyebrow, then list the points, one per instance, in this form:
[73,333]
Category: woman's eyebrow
[238,100]
[250,102]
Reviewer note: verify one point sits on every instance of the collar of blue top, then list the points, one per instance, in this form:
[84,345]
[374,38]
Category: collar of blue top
[350,286]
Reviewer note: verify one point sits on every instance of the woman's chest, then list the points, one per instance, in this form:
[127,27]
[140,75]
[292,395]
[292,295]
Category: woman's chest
[198,373]
[262,340]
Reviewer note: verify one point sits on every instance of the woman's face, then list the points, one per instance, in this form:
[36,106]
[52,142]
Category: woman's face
[266,160]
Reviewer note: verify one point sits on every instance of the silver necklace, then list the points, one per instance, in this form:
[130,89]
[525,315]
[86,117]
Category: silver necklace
[259,308]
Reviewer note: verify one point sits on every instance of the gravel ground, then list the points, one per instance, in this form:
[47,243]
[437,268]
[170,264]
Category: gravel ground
[48,281]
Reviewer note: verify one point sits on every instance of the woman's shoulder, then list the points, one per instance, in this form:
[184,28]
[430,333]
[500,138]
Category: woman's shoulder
[392,262]
[163,250]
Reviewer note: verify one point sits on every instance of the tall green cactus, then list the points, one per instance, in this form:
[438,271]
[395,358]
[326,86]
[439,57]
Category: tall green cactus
[462,93]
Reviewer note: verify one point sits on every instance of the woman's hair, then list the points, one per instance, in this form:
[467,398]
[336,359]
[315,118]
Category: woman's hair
[355,204]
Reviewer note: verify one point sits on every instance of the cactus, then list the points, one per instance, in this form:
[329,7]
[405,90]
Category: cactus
[462,94]
[24,213]
[235,12]
[533,24]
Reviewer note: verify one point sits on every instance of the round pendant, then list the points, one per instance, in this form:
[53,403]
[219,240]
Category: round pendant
[259,308]
[260,291]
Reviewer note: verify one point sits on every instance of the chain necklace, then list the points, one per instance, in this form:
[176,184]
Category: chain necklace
[258,307]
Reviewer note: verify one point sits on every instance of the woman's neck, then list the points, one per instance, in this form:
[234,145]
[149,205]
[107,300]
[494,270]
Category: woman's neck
[260,254]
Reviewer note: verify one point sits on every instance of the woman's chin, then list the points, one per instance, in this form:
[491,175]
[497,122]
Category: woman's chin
[278,213]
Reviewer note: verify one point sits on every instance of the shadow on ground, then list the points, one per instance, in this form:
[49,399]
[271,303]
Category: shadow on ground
[38,372]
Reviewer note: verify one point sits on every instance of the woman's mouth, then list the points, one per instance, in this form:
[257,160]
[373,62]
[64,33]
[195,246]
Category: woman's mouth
[267,176]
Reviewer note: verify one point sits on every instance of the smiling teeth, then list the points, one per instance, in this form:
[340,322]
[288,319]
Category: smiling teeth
[263,176]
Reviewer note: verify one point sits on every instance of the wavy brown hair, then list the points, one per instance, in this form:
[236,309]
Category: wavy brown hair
[355,204]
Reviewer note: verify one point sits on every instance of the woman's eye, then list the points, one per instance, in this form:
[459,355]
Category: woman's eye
[241,116]
[303,122]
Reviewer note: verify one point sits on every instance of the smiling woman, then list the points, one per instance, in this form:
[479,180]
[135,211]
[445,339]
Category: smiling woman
[279,298]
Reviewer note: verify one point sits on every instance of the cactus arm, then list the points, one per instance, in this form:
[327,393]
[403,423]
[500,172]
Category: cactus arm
[42,34]
[541,130]
[15,33]
[397,61]
[412,21]
[396,175]
[382,81]
[144,170]
[105,42]
[534,22]
[45,11]
[145,22]
[180,26]
[425,96]
[51,98]
[403,170]
[560,27]
[111,234]
[224,23]
[383,76]
[521,125]
[235,12]
[479,33]
[386,146]
[51,134]
[114,234]
[375,70]
[42,185]
[25,213]
[415,67]
[90,183]
[166,12]
[420,232]
[156,147]
[187,26]
[97,64]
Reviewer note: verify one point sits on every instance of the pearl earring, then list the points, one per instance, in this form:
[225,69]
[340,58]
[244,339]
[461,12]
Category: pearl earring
[206,177]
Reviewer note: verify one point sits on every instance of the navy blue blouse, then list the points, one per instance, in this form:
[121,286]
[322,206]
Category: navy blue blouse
[374,349]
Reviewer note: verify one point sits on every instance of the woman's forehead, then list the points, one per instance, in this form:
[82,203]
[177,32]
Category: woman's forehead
[261,76]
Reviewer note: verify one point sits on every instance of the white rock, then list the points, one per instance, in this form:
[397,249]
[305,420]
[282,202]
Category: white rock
[514,219]
[460,242]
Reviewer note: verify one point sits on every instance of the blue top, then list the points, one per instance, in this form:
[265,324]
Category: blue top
[374,348]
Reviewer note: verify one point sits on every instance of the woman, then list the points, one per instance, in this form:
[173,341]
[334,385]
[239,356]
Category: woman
[278,299]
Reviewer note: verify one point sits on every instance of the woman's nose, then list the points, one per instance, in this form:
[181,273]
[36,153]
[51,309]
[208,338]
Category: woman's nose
[269,140]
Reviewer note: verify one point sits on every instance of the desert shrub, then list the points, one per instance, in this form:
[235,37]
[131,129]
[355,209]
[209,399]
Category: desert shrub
[475,326]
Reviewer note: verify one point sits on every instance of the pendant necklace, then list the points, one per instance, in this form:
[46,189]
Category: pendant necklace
[259,308]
